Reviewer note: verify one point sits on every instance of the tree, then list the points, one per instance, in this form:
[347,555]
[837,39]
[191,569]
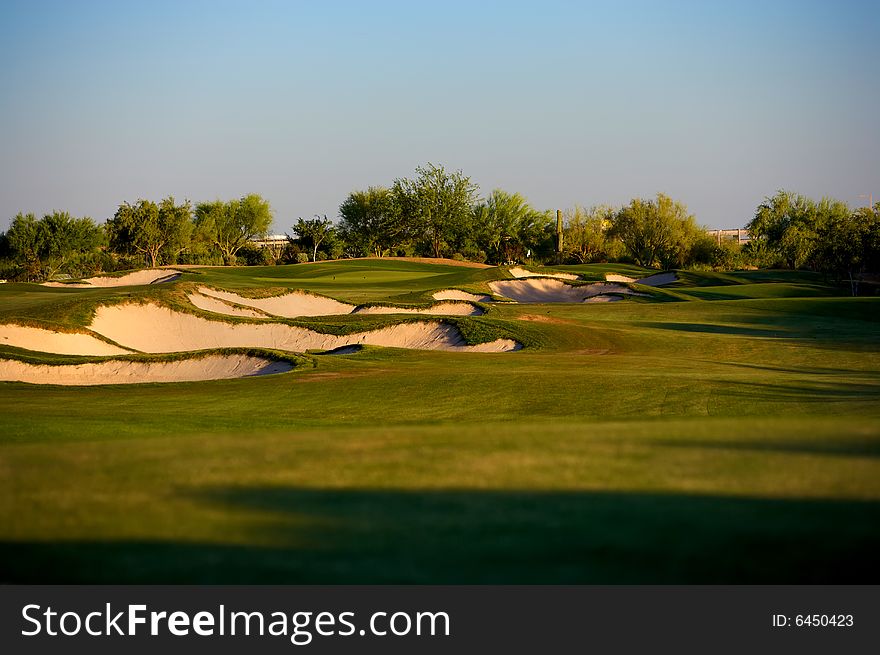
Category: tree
[786,226]
[314,231]
[506,226]
[435,206]
[159,232]
[23,238]
[176,223]
[230,225]
[62,236]
[848,243]
[585,232]
[656,232]
[371,220]
[44,247]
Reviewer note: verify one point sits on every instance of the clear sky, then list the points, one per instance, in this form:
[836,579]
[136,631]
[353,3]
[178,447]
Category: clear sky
[716,103]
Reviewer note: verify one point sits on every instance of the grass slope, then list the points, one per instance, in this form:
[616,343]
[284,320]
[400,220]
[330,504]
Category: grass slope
[716,437]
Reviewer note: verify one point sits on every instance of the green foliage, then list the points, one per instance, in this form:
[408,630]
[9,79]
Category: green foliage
[506,227]
[43,248]
[848,244]
[436,208]
[314,231]
[786,225]
[253,255]
[585,234]
[826,236]
[656,232]
[159,232]
[371,222]
[228,226]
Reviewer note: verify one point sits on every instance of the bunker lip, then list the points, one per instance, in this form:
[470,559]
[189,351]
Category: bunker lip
[458,294]
[520,273]
[547,290]
[286,305]
[210,303]
[135,278]
[127,371]
[153,328]
[56,341]
[297,303]
[654,280]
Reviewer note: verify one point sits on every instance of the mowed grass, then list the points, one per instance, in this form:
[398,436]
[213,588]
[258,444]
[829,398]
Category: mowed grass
[717,439]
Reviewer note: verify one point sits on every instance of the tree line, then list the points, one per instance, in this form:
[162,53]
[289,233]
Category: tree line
[141,233]
[439,213]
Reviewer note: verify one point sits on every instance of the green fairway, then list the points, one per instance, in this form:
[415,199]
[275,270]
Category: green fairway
[728,434]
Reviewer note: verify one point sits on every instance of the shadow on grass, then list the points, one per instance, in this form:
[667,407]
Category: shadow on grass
[710,328]
[424,536]
[867,447]
[805,370]
[826,391]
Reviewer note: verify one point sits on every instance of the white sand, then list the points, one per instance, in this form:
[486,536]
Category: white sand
[614,277]
[438,309]
[458,294]
[138,278]
[218,306]
[300,303]
[289,305]
[155,329]
[212,367]
[604,299]
[60,343]
[658,279]
[543,290]
[518,272]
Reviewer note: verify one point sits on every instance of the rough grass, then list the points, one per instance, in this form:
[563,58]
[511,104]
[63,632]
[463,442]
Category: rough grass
[695,440]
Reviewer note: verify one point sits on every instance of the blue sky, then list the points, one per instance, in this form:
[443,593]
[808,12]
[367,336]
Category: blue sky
[715,103]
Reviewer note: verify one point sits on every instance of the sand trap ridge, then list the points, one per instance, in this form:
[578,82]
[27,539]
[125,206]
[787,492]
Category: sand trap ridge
[288,305]
[656,280]
[59,343]
[138,278]
[212,367]
[543,290]
[518,272]
[155,329]
[212,304]
[446,308]
[300,303]
[458,294]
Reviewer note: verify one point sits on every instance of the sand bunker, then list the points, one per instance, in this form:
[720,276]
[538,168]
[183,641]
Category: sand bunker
[458,294]
[604,299]
[518,272]
[543,290]
[289,305]
[51,341]
[138,278]
[656,280]
[155,329]
[615,277]
[451,308]
[212,367]
[211,304]
[299,303]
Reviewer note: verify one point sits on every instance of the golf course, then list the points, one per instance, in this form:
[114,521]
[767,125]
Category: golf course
[394,420]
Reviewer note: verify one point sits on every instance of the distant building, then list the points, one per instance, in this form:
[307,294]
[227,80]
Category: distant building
[274,242]
[740,235]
